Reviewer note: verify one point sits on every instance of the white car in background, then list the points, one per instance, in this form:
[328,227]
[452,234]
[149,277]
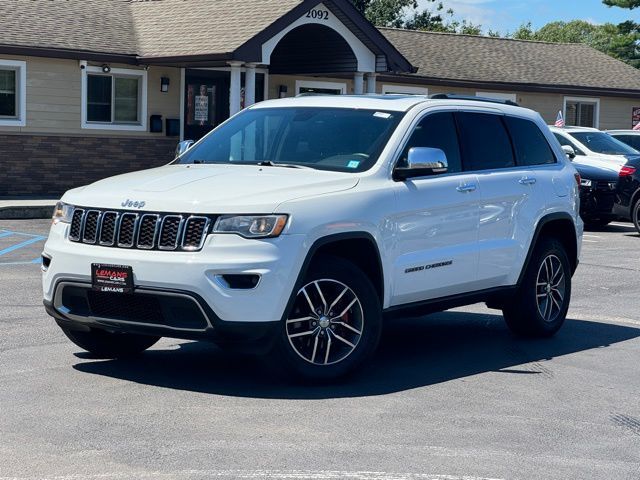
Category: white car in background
[630,137]
[595,148]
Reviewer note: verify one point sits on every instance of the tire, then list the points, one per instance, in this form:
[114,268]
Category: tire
[104,344]
[334,324]
[539,306]
[635,215]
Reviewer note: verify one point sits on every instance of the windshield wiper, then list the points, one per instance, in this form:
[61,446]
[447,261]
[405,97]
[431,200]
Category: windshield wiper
[269,163]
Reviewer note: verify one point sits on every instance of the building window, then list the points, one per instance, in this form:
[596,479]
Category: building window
[114,101]
[13,83]
[582,112]
[404,90]
[325,88]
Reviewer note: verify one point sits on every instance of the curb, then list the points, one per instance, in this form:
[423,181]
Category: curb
[26,212]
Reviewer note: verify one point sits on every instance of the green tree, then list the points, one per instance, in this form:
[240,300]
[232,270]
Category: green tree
[620,41]
[630,4]
[406,14]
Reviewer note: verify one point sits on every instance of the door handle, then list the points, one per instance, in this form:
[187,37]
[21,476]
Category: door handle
[467,187]
[527,181]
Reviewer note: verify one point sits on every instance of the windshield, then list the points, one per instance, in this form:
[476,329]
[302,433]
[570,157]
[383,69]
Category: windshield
[338,139]
[600,142]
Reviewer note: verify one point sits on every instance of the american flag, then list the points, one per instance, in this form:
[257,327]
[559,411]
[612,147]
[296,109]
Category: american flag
[559,120]
[637,127]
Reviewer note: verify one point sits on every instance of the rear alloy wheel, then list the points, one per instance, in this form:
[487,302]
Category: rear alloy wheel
[334,323]
[551,288]
[540,304]
[635,216]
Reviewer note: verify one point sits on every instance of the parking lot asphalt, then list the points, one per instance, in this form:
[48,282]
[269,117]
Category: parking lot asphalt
[450,396]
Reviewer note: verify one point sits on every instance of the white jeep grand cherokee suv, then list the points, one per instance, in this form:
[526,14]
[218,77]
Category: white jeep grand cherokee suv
[299,224]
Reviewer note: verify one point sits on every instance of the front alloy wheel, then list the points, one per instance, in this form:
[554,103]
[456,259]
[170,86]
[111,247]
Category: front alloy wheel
[327,322]
[334,323]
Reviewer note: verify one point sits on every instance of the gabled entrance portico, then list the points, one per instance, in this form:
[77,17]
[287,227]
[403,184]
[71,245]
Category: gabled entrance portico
[328,47]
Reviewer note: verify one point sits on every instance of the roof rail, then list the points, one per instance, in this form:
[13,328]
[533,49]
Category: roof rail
[453,96]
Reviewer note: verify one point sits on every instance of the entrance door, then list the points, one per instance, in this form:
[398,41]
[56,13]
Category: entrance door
[206,102]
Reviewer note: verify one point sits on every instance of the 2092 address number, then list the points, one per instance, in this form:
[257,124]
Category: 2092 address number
[318,14]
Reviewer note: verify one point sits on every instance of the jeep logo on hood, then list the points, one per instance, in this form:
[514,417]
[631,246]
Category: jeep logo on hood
[133,204]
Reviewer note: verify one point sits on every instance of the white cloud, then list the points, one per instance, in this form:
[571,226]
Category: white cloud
[491,14]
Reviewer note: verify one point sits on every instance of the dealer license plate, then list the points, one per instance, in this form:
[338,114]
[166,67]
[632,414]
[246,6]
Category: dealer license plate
[112,278]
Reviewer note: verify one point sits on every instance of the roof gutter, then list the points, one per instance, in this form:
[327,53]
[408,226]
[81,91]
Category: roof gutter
[518,87]
[68,54]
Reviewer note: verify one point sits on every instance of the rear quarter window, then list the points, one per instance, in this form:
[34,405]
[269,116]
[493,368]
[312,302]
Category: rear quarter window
[485,142]
[529,142]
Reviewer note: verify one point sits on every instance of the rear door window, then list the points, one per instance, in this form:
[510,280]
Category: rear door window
[631,140]
[529,142]
[437,130]
[485,142]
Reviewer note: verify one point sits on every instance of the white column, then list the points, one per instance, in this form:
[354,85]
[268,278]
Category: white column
[371,83]
[182,99]
[358,83]
[234,90]
[250,85]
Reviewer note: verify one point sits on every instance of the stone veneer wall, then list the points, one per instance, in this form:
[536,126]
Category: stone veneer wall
[47,166]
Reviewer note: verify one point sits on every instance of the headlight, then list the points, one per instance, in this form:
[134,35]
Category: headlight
[251,226]
[63,213]
[585,183]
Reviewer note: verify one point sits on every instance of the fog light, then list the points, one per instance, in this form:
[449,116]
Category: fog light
[240,282]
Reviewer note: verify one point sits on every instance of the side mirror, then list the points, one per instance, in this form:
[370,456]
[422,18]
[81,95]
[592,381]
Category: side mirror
[422,161]
[183,147]
[568,149]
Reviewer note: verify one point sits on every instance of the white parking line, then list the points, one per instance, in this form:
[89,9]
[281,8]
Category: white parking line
[591,236]
[618,224]
[590,241]
[258,474]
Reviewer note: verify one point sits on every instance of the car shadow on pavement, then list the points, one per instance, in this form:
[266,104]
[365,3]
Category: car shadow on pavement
[413,353]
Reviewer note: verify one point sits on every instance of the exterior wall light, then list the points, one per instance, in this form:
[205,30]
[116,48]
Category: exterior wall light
[106,68]
[164,84]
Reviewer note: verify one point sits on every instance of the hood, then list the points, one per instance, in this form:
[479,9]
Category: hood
[618,160]
[605,163]
[590,172]
[209,189]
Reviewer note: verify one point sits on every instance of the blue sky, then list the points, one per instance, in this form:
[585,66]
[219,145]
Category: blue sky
[507,15]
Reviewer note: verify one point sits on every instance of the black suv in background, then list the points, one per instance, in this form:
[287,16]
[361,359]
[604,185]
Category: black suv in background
[597,194]
[627,204]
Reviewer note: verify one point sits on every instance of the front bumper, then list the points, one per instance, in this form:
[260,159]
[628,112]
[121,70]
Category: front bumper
[195,274]
[597,202]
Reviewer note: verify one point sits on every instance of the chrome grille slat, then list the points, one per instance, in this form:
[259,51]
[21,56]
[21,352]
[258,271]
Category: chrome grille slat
[107,237]
[138,230]
[194,233]
[170,229]
[90,226]
[127,229]
[148,231]
[75,230]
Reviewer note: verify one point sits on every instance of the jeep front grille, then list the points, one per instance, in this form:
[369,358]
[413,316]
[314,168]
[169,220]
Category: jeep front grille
[146,231]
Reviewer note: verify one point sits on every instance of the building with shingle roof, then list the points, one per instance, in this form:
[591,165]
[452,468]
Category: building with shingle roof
[90,88]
